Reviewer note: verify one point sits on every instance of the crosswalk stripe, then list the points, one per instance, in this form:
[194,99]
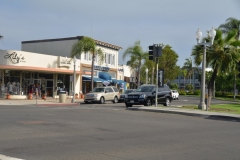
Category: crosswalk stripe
[3,157]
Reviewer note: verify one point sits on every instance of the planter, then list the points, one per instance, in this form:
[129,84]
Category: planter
[30,96]
[76,95]
[82,96]
[44,97]
[8,96]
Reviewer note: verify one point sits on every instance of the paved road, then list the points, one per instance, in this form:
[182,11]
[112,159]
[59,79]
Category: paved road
[110,131]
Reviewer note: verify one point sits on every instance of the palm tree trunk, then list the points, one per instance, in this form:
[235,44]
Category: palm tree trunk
[210,88]
[234,87]
[92,69]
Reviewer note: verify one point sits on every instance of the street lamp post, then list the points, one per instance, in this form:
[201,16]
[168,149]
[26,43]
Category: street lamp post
[74,76]
[146,75]
[212,34]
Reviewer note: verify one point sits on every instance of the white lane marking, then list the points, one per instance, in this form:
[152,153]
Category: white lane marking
[3,157]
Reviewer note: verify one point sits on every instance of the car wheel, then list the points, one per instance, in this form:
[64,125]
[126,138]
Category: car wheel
[115,100]
[167,102]
[148,102]
[102,100]
[128,105]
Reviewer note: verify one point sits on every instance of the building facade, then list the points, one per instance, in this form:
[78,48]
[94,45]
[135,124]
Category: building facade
[105,73]
[21,73]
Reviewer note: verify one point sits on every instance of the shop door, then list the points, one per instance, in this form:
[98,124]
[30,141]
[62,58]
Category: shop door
[49,88]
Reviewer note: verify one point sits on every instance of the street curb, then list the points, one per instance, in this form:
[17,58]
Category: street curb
[212,116]
[60,104]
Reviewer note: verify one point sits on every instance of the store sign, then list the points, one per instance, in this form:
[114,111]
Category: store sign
[120,70]
[64,62]
[101,68]
[15,58]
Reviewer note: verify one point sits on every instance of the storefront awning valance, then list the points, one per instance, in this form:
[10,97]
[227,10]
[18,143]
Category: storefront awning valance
[85,78]
[118,81]
[105,76]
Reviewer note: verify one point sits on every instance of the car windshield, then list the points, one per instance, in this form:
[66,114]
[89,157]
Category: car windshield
[98,90]
[145,89]
[127,91]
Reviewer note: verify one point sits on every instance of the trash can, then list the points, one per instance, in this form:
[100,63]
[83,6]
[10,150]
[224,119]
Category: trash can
[62,96]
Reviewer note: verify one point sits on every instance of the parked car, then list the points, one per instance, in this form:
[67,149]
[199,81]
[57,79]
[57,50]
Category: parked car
[145,95]
[102,94]
[175,94]
[122,96]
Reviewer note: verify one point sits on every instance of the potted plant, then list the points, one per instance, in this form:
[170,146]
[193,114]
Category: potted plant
[76,95]
[8,96]
[30,96]
[44,96]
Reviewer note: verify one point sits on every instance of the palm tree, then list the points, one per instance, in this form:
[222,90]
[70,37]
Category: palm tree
[188,65]
[222,56]
[137,55]
[184,73]
[232,23]
[85,45]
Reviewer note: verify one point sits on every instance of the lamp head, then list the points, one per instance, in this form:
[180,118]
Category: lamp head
[198,35]
[212,34]
[146,70]
[74,59]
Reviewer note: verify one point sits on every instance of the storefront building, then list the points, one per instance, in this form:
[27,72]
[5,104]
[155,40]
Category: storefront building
[105,73]
[23,73]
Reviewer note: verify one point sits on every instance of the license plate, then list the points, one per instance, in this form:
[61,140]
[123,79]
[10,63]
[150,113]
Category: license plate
[131,101]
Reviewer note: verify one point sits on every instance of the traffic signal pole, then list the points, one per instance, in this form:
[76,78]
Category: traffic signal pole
[156,92]
[155,51]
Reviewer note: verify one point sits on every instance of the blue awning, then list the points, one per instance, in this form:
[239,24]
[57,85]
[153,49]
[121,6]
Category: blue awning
[105,76]
[118,81]
[85,78]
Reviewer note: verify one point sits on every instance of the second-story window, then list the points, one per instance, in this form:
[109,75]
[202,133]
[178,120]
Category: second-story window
[113,59]
[85,56]
[89,56]
[105,57]
[109,58]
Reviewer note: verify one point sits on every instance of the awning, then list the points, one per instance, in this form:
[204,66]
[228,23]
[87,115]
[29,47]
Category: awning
[105,76]
[118,81]
[95,79]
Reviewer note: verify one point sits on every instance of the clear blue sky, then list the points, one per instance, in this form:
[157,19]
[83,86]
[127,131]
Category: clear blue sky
[121,23]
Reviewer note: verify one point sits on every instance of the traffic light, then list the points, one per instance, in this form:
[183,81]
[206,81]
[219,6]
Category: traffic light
[160,77]
[152,52]
[155,51]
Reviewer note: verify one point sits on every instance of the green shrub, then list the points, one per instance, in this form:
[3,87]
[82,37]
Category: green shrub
[182,92]
[197,92]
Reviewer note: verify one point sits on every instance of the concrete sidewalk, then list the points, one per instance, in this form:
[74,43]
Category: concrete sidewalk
[189,112]
[40,102]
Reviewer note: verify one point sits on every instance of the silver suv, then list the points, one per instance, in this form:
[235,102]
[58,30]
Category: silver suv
[102,94]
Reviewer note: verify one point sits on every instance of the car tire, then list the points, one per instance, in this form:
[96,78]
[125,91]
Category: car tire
[115,100]
[102,100]
[167,102]
[128,105]
[148,102]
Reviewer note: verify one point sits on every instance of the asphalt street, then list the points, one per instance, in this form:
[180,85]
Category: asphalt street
[110,131]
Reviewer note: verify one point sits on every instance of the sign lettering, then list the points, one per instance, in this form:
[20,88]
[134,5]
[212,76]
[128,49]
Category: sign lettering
[14,58]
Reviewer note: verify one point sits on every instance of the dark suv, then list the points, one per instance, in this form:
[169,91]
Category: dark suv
[145,95]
